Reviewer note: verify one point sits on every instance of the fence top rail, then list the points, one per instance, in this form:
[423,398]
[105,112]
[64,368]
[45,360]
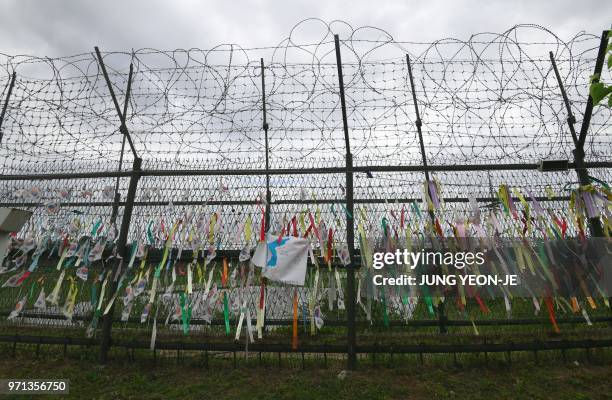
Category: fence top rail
[290,171]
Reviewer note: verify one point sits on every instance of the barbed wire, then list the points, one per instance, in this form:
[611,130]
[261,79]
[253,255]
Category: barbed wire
[490,98]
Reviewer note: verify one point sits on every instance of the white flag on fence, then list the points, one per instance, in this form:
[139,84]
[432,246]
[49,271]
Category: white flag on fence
[283,260]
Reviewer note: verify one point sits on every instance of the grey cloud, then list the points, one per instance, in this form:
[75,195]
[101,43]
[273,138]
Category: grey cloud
[55,28]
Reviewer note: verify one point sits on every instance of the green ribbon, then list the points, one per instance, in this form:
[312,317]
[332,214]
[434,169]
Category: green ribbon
[416,209]
[384,226]
[226,314]
[427,296]
[95,228]
[94,321]
[150,233]
[71,261]
[384,304]
[185,313]
[544,262]
[32,290]
[346,211]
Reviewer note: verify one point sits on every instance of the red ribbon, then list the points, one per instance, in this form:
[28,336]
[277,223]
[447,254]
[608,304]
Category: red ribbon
[330,239]
[551,313]
[439,228]
[314,226]
[23,278]
[280,237]
[294,223]
[262,292]
[262,232]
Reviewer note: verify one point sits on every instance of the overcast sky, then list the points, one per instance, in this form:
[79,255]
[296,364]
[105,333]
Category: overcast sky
[62,27]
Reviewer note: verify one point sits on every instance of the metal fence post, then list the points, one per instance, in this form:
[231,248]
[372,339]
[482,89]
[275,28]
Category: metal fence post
[583,174]
[122,128]
[107,321]
[440,308]
[124,116]
[350,224]
[265,128]
[6,101]
[595,227]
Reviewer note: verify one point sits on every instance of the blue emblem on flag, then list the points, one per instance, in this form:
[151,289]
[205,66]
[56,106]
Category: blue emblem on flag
[272,246]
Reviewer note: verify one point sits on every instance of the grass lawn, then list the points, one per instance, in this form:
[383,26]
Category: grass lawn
[167,379]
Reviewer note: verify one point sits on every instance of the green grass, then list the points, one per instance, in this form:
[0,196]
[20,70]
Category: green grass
[188,379]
